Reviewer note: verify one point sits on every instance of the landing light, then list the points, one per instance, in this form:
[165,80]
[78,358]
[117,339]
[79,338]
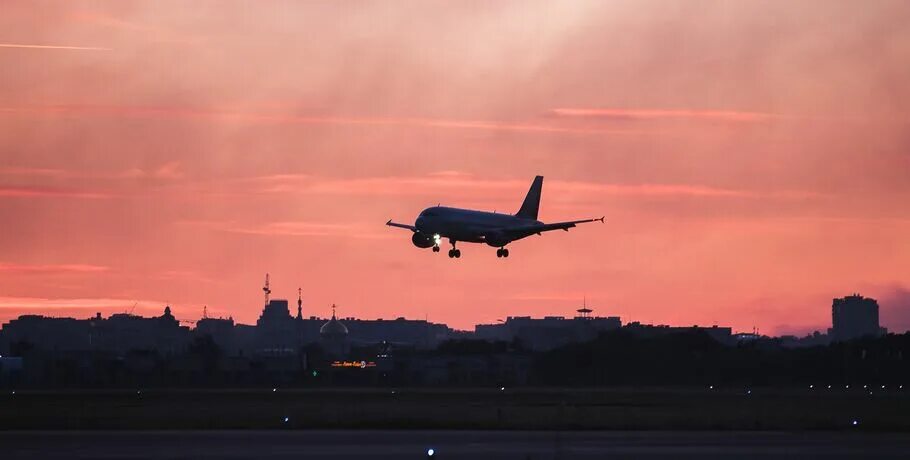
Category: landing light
[437,238]
[430,452]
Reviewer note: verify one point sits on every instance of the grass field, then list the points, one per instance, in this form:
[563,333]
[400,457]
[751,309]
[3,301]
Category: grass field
[524,409]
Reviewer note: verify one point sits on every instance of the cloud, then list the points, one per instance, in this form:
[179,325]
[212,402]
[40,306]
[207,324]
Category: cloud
[278,118]
[30,304]
[171,170]
[54,47]
[449,181]
[51,268]
[37,192]
[343,230]
[663,114]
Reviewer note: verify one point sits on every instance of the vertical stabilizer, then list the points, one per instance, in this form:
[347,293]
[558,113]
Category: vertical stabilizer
[532,201]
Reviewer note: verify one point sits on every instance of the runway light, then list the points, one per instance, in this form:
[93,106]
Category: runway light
[274,390]
[710,387]
[430,452]
[829,387]
[855,422]
[315,373]
[883,387]
[286,419]
[748,392]
[865,386]
[847,387]
[811,386]
[502,388]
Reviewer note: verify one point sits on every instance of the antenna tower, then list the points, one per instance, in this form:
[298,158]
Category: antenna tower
[266,290]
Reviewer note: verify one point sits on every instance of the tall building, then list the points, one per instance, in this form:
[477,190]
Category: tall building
[853,317]
[275,329]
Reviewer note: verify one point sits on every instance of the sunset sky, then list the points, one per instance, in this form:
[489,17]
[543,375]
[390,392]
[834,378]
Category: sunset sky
[752,158]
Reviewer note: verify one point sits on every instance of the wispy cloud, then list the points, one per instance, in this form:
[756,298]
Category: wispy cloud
[50,268]
[53,47]
[658,114]
[37,192]
[342,230]
[244,116]
[446,182]
[30,304]
[166,171]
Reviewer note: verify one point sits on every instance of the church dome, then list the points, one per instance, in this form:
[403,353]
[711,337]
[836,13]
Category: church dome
[333,327]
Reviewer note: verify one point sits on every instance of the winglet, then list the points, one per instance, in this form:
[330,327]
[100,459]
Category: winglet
[601,219]
[389,222]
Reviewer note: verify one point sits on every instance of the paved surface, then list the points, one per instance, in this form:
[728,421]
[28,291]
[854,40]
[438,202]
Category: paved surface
[449,445]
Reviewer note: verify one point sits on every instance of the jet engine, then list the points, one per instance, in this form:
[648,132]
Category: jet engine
[497,240]
[422,240]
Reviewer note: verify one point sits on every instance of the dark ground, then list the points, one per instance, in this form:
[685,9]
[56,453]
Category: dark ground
[720,409]
[408,444]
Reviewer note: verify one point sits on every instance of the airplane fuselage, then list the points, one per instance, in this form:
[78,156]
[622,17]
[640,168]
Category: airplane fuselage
[466,225]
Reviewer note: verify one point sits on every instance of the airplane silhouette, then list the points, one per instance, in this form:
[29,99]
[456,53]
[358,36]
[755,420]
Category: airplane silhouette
[495,229]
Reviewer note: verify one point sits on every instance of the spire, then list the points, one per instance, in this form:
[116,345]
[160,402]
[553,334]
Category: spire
[333,311]
[266,290]
[299,303]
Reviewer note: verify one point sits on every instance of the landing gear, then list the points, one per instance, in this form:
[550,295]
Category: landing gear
[454,253]
[502,252]
[436,248]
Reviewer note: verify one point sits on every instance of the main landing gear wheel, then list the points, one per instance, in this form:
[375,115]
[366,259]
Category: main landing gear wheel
[454,252]
[435,248]
[502,252]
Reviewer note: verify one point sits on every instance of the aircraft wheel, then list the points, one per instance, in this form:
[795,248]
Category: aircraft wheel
[499,252]
[435,248]
[451,253]
[457,253]
[505,252]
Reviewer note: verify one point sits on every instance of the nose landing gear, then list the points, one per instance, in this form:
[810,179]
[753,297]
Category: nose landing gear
[502,252]
[436,248]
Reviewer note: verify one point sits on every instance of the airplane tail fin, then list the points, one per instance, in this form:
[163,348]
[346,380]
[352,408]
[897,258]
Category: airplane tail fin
[532,201]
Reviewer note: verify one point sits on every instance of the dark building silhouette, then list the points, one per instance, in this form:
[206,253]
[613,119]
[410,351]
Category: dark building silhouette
[548,332]
[723,335]
[853,317]
[276,331]
[119,333]
[333,336]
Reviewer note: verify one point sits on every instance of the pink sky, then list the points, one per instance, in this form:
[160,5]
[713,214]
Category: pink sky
[752,157]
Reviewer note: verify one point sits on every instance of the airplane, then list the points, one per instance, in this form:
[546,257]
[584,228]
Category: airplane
[470,226]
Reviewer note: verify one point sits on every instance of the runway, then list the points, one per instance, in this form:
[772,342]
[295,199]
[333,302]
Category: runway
[524,445]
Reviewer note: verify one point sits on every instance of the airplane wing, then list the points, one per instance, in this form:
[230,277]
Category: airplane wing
[540,228]
[396,224]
